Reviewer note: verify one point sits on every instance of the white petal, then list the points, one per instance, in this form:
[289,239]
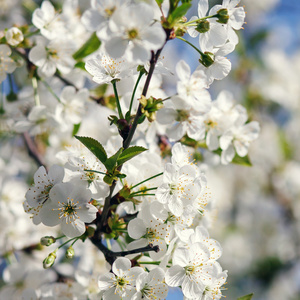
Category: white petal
[175,276]
[136,228]
[121,265]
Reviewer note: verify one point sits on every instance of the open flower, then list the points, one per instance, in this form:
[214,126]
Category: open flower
[70,207]
[105,69]
[133,33]
[121,283]
[7,65]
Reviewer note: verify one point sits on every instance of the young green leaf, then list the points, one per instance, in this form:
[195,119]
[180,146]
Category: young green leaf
[94,146]
[76,129]
[111,162]
[159,2]
[244,161]
[129,153]
[246,297]
[90,46]
[179,12]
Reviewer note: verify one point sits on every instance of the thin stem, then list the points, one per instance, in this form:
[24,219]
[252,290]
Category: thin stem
[181,38]
[117,100]
[134,90]
[68,241]
[149,262]
[140,195]
[49,88]
[147,180]
[94,171]
[142,191]
[31,33]
[75,241]
[35,91]
[167,98]
[200,19]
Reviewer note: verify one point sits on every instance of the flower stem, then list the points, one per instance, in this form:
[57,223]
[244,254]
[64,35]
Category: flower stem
[200,19]
[35,91]
[142,191]
[149,262]
[134,90]
[181,38]
[94,171]
[117,100]
[159,174]
[49,88]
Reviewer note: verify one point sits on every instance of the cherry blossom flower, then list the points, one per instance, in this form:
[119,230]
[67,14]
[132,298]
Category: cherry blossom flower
[150,285]
[7,64]
[212,33]
[39,194]
[57,54]
[46,19]
[105,69]
[133,33]
[121,283]
[235,17]
[187,270]
[69,207]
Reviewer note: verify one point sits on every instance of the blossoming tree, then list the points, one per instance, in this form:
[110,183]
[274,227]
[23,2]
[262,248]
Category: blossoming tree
[128,184]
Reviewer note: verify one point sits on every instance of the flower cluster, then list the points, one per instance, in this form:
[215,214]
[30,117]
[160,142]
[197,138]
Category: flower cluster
[127,175]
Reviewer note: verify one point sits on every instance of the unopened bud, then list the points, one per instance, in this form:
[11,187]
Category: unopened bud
[70,252]
[47,240]
[49,260]
[14,36]
[223,16]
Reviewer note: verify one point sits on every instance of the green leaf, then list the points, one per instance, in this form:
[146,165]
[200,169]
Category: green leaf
[111,162]
[129,153]
[244,161]
[90,46]
[178,13]
[76,129]
[94,146]
[246,297]
[80,65]
[159,2]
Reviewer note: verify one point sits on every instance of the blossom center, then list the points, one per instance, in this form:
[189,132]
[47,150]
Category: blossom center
[182,115]
[132,34]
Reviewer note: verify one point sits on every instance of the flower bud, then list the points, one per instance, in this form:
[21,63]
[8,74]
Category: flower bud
[49,260]
[223,16]
[14,36]
[70,252]
[47,240]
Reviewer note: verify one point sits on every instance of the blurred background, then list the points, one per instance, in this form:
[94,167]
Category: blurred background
[257,209]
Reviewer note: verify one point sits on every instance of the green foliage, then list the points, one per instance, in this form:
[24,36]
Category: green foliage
[111,162]
[244,161]
[129,153]
[246,297]
[80,65]
[76,129]
[159,2]
[178,13]
[94,146]
[90,46]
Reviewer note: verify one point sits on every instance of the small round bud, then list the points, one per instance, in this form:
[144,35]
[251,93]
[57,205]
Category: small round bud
[49,260]
[14,36]
[47,240]
[70,252]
